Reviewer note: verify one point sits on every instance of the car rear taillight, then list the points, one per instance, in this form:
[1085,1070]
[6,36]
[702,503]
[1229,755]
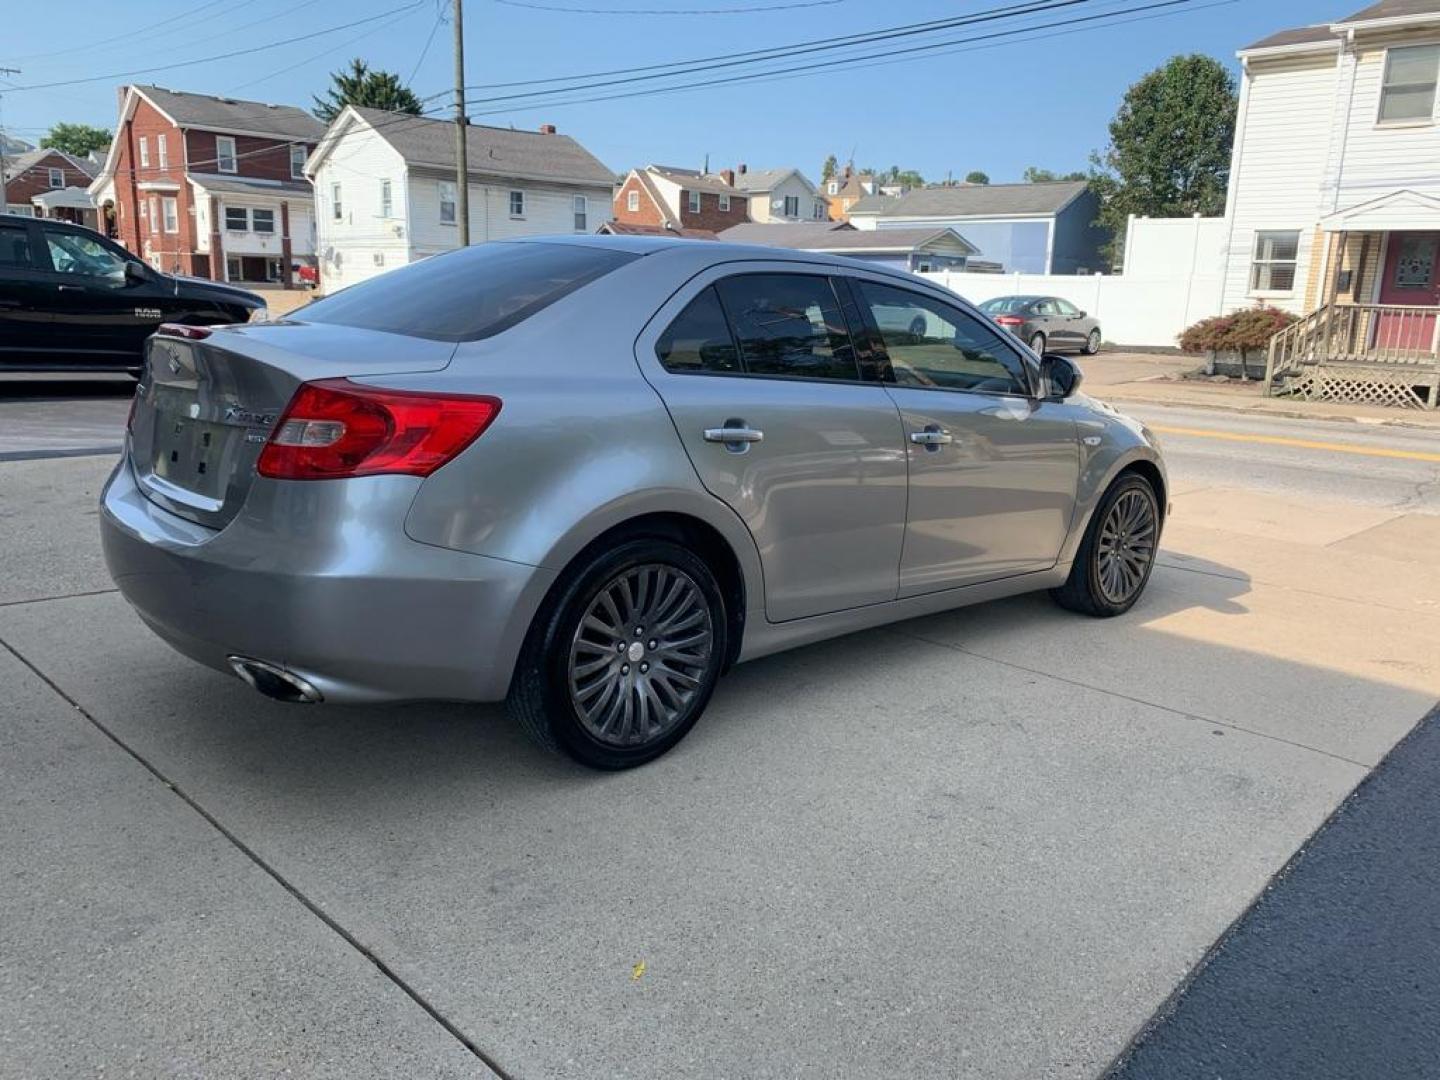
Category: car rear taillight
[336,428]
[1009,320]
[180,330]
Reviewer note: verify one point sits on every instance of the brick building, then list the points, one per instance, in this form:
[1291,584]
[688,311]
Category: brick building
[56,179]
[212,187]
[663,197]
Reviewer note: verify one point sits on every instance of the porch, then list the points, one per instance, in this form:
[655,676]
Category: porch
[1373,332]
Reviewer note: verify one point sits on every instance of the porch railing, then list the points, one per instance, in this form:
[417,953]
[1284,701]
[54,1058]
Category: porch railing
[1393,345]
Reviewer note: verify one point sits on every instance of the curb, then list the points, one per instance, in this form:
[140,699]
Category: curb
[1251,410]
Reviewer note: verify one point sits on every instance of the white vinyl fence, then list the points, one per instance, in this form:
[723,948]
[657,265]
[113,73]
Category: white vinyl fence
[1171,279]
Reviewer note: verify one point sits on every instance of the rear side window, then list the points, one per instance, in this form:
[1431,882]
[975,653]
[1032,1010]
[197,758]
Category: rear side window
[15,247]
[788,325]
[699,339]
[468,294]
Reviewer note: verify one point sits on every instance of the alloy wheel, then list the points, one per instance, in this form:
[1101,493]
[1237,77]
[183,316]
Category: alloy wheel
[1126,546]
[639,655]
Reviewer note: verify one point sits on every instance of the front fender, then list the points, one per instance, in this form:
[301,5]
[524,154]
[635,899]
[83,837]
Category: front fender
[1123,443]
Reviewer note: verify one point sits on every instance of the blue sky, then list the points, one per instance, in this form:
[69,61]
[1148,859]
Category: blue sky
[997,108]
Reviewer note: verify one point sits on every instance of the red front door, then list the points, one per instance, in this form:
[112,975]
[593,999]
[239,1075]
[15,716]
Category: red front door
[1411,277]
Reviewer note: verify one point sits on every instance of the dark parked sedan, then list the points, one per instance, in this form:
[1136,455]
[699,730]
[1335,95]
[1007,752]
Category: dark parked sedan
[73,300]
[1046,323]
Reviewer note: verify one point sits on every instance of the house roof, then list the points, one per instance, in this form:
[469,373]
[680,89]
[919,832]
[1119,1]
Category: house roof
[890,240]
[755,181]
[1300,35]
[494,150]
[625,228]
[1393,9]
[232,114]
[838,237]
[797,234]
[232,185]
[873,204]
[19,163]
[986,200]
[694,180]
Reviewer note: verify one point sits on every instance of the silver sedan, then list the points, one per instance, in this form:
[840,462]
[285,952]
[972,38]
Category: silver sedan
[587,475]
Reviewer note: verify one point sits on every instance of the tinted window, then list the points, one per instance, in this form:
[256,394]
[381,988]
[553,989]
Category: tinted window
[468,294]
[1005,305]
[699,339]
[74,253]
[788,325]
[14,246]
[932,344]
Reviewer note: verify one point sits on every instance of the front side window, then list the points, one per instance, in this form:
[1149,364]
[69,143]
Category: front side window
[1066,308]
[57,178]
[517,204]
[262,221]
[71,253]
[632,201]
[935,346]
[14,247]
[337,206]
[163,151]
[699,339]
[170,209]
[447,202]
[225,153]
[581,207]
[237,219]
[1408,91]
[1273,267]
[694,201]
[788,325]
[387,200]
[297,162]
[792,205]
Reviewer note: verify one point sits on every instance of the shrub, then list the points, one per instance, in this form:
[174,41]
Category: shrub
[1242,332]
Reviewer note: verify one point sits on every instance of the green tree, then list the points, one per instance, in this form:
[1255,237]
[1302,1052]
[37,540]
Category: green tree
[77,139]
[1169,152]
[830,168]
[1045,176]
[359,85]
[977,177]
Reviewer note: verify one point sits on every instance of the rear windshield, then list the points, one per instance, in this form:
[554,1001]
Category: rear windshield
[469,294]
[1006,304]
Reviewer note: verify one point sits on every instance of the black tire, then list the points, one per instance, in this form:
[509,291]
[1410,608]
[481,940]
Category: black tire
[1037,344]
[917,326]
[1084,590]
[1092,343]
[541,697]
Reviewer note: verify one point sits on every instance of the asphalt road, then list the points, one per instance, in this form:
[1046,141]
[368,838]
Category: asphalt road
[990,843]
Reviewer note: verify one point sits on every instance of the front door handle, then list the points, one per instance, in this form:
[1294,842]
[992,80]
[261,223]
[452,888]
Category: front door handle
[733,435]
[932,436]
[71,288]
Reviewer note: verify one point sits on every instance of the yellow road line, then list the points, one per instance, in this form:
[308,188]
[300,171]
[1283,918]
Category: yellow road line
[1300,444]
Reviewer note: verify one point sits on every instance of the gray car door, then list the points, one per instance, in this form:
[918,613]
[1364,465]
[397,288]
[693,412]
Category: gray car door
[756,366]
[1077,326]
[993,470]
[1050,324]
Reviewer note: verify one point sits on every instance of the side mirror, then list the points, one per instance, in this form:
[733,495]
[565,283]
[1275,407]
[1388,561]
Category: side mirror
[136,272]
[1081,314]
[1061,376]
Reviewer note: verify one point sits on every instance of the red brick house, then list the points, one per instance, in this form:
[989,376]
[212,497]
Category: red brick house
[673,199]
[56,179]
[209,186]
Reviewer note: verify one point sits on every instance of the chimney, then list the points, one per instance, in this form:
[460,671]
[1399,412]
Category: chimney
[547,129]
[728,175]
[744,168]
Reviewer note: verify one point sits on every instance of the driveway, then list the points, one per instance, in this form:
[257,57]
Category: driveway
[988,843]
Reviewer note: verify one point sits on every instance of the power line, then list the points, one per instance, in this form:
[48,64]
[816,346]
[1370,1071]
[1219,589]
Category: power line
[223,56]
[670,11]
[439,19]
[818,65]
[120,37]
[326,51]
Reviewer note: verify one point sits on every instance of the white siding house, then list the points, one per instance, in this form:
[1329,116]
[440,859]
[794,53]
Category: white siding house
[385,190]
[1335,177]
[778,195]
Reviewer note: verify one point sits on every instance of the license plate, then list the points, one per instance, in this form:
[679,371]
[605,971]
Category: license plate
[188,453]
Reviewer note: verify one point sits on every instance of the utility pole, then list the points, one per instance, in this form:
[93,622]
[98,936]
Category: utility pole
[462,163]
[4,199]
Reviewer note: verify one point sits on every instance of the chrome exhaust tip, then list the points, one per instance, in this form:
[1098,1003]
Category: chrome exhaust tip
[274,681]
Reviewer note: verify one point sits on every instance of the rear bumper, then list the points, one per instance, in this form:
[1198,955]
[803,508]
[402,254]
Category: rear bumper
[320,579]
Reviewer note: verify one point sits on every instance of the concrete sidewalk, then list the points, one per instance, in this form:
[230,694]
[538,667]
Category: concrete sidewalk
[1157,379]
[983,844]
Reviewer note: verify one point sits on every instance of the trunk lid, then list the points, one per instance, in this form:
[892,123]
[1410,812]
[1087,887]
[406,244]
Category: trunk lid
[206,407]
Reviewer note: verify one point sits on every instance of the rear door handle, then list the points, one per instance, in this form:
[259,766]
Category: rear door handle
[932,437]
[733,435]
[71,288]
